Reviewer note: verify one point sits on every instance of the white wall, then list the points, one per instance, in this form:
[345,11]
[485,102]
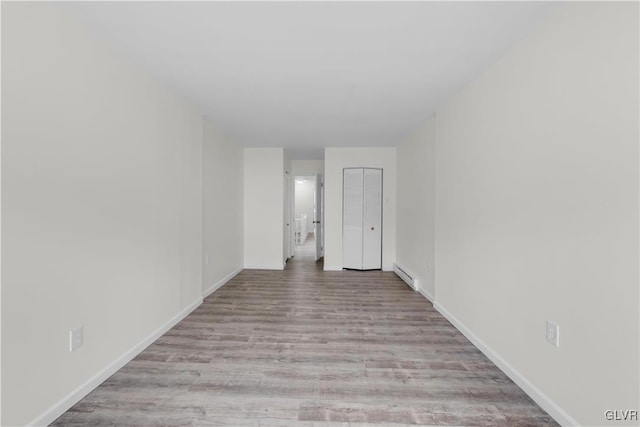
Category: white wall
[537,209]
[223,206]
[305,199]
[263,208]
[415,204]
[101,207]
[335,160]
[307,167]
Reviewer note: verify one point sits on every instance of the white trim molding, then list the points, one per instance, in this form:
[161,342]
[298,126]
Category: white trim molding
[559,414]
[211,289]
[264,267]
[425,293]
[51,414]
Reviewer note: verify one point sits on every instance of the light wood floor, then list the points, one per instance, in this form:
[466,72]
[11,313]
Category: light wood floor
[304,347]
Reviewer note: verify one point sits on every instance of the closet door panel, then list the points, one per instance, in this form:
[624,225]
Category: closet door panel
[352,208]
[372,220]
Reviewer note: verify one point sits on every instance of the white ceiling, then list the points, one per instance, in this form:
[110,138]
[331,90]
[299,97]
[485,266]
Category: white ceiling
[305,75]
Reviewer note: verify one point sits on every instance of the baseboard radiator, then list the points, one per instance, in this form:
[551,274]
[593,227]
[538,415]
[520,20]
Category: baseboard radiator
[408,278]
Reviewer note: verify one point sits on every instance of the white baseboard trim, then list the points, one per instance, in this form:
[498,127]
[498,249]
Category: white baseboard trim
[263,267]
[425,294]
[51,414]
[339,268]
[534,392]
[221,282]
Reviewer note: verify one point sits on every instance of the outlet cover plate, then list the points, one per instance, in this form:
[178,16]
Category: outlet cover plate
[75,338]
[553,333]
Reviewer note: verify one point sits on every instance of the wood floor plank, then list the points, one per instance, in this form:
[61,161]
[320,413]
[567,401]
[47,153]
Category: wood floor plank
[304,347]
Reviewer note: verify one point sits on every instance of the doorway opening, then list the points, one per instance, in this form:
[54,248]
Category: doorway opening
[308,217]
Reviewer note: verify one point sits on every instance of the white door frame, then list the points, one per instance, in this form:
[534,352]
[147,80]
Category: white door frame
[287,219]
[318,220]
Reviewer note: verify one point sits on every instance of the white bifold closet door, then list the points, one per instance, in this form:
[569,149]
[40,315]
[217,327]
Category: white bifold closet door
[362,219]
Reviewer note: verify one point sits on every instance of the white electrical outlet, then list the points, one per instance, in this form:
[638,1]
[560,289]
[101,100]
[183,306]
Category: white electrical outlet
[553,333]
[75,338]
